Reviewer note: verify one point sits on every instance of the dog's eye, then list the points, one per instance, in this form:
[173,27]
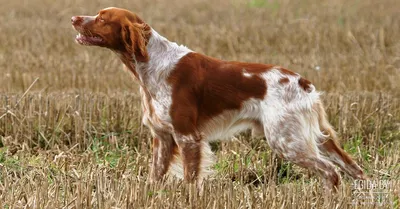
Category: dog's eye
[101,19]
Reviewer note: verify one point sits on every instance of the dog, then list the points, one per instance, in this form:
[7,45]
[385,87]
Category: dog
[190,99]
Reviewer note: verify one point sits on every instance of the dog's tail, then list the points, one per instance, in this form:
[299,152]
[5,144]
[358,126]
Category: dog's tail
[329,145]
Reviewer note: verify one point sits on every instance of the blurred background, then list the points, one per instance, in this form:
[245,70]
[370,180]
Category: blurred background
[339,45]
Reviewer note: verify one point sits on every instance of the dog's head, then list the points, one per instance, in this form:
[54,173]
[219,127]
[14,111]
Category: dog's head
[114,28]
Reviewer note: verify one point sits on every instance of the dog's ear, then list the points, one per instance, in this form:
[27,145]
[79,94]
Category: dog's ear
[135,37]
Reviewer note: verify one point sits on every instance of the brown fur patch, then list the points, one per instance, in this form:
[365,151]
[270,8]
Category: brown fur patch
[287,72]
[305,84]
[135,37]
[203,87]
[191,157]
[156,143]
[284,80]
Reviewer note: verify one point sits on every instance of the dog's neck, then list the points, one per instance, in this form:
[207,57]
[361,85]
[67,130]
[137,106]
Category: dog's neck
[163,56]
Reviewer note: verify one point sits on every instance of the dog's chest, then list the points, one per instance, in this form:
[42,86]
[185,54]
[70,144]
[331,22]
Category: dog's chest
[156,106]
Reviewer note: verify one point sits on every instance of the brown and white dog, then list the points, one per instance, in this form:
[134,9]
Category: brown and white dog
[190,99]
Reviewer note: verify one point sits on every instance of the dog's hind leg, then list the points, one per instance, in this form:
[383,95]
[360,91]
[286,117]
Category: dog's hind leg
[294,134]
[297,151]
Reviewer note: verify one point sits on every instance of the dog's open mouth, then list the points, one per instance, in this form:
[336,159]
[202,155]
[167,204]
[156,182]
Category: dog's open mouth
[89,39]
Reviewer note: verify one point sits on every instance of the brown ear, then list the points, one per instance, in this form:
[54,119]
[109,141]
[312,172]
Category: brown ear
[135,37]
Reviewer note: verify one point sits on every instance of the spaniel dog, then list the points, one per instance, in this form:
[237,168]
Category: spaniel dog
[190,99]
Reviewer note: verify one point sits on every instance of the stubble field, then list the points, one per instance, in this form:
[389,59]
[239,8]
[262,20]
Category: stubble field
[70,119]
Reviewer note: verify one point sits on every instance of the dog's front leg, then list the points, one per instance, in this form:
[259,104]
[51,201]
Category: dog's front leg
[164,148]
[190,149]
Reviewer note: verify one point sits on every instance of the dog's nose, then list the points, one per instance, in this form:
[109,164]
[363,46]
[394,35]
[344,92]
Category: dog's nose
[74,20]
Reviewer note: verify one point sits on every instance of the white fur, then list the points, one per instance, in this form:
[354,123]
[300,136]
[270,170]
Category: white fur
[87,19]
[290,124]
[246,74]
[108,8]
[164,55]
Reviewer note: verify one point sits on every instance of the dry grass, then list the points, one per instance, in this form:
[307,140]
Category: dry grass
[75,139]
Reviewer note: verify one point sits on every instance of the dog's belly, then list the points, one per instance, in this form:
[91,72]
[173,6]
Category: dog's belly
[224,126]
[231,122]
